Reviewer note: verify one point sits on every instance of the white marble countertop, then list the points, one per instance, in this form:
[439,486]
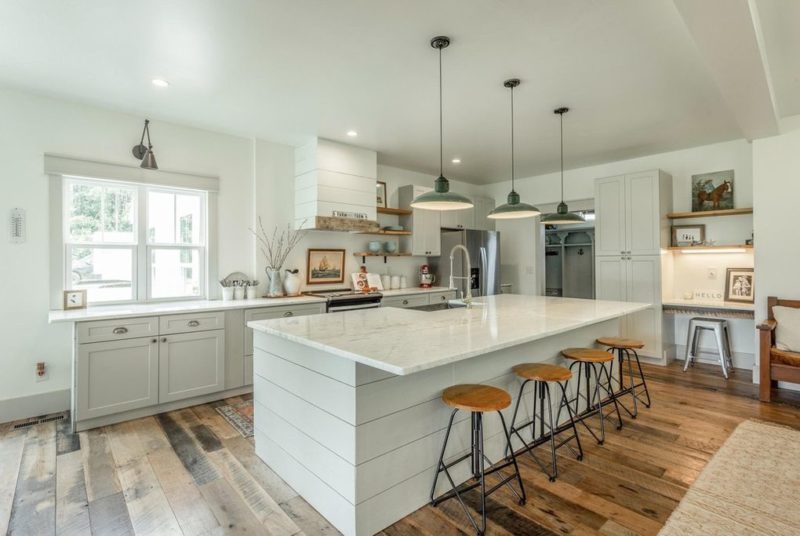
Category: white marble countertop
[722,305]
[405,341]
[106,312]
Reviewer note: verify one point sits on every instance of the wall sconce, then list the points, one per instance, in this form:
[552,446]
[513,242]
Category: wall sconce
[145,153]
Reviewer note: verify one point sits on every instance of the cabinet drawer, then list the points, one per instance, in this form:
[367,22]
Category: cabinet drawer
[268,313]
[412,300]
[116,330]
[441,297]
[191,322]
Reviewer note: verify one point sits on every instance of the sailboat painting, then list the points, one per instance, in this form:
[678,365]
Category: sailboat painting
[325,266]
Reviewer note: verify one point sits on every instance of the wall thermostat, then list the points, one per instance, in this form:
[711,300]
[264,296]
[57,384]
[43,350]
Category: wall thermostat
[17,223]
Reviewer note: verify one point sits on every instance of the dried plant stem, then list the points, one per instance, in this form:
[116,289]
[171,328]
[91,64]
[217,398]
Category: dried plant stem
[276,249]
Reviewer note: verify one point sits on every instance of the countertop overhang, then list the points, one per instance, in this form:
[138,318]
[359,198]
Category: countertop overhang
[403,341]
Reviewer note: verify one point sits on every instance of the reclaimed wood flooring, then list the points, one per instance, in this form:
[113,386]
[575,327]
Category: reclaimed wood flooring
[189,472]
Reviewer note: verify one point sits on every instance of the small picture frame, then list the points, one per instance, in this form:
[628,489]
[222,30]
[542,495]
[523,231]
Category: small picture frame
[381,194]
[325,266]
[740,285]
[688,235]
[75,299]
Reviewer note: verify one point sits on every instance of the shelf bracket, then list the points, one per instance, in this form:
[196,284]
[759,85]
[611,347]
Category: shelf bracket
[363,259]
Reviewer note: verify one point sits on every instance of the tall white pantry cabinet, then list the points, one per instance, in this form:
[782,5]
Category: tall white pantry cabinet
[631,229]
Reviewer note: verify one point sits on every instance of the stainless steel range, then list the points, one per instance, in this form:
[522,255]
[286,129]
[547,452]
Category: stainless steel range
[348,300]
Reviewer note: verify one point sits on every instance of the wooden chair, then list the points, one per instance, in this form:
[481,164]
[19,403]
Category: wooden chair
[776,365]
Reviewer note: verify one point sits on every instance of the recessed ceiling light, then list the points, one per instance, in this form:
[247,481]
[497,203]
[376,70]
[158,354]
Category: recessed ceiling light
[158,82]
[352,133]
[456,160]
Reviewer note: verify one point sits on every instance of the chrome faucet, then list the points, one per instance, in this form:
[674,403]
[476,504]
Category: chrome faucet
[468,298]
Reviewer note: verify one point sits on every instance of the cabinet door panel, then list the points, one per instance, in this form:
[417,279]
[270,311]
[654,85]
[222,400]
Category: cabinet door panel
[611,279]
[191,364]
[642,225]
[609,198]
[116,376]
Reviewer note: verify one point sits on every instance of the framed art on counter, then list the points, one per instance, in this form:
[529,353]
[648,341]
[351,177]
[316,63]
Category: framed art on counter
[325,266]
[739,286]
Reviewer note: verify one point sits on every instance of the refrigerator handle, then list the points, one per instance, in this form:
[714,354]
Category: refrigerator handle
[484,265]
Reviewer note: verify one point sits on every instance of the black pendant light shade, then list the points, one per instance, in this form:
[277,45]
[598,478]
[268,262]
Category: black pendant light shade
[562,215]
[145,152]
[441,198]
[513,208]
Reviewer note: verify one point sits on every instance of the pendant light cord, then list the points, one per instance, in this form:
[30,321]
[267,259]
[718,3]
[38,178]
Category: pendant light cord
[441,119]
[512,138]
[562,156]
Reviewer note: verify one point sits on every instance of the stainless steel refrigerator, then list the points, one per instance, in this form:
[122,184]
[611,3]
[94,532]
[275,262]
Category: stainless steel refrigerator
[484,260]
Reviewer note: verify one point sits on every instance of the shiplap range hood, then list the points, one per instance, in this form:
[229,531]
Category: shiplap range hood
[334,187]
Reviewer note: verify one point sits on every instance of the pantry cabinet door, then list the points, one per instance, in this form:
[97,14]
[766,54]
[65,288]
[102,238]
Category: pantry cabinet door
[611,278]
[643,222]
[644,286]
[609,199]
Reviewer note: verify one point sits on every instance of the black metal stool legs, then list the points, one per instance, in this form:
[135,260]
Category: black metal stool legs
[623,355]
[478,460]
[595,401]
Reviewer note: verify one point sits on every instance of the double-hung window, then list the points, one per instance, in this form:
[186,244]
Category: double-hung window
[132,242]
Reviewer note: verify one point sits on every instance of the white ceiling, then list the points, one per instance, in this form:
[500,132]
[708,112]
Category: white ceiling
[288,70]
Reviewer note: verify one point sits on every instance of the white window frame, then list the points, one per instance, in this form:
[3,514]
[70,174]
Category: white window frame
[141,250]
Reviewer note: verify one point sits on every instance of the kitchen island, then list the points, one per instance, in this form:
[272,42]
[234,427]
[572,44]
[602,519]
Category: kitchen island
[347,406]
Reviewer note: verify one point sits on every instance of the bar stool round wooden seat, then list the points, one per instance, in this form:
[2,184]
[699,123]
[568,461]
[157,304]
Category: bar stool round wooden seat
[543,375]
[591,364]
[477,399]
[626,350]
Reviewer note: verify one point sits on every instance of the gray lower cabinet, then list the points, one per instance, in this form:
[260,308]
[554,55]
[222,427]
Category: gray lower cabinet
[191,364]
[411,300]
[116,376]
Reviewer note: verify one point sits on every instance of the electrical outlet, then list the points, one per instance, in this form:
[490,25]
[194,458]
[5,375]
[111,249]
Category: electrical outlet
[41,372]
[713,273]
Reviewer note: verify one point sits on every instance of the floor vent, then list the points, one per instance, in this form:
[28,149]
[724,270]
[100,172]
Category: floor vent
[39,421]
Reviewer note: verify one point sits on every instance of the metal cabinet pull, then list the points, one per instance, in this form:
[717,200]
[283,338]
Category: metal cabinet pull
[164,339]
[443,298]
[120,331]
[193,323]
[405,302]
[288,313]
[154,341]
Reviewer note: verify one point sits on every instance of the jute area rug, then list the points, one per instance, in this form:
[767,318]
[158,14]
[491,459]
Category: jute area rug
[751,486]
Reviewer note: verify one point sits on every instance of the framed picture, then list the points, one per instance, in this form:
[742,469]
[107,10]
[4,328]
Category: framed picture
[688,235]
[325,266]
[712,191]
[74,299]
[739,285]
[381,186]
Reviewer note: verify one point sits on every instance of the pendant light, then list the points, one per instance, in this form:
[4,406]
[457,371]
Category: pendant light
[441,198]
[562,216]
[145,152]
[513,209]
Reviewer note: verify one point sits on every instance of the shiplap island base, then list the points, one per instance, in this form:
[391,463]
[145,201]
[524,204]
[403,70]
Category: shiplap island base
[348,409]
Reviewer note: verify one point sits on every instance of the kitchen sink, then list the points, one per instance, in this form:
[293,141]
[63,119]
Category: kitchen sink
[439,306]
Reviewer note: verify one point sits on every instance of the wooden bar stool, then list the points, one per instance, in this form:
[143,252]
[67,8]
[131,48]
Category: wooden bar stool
[542,375]
[477,399]
[591,363]
[625,348]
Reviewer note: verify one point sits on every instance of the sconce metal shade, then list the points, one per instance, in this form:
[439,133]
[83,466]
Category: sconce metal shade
[149,160]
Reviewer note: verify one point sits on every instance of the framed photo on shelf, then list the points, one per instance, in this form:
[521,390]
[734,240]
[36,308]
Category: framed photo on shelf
[74,299]
[325,266]
[739,285]
[688,235]
[712,191]
[381,194]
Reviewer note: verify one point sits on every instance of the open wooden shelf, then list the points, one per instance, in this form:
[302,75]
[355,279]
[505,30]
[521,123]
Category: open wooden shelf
[709,213]
[381,254]
[387,232]
[394,211]
[711,248]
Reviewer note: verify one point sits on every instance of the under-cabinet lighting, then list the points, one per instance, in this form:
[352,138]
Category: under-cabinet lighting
[721,250]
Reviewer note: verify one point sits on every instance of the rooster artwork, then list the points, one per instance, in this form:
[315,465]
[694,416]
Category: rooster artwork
[712,191]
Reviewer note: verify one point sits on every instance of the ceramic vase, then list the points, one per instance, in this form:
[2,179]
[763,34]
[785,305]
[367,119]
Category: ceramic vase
[274,288]
[291,283]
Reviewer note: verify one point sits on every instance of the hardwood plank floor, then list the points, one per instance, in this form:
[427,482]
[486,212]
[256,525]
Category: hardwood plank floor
[189,472]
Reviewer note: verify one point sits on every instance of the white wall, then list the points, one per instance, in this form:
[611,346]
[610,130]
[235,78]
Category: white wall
[519,238]
[776,169]
[36,125]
